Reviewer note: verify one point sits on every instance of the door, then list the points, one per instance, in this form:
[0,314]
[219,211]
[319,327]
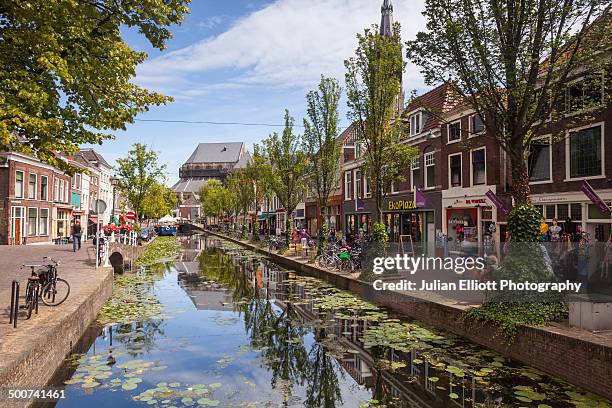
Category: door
[17,231]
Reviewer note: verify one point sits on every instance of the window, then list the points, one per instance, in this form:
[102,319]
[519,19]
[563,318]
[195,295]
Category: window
[44,188]
[19,184]
[454,165]
[429,170]
[366,188]
[585,152]
[454,131]
[538,159]
[394,189]
[358,149]
[66,193]
[32,181]
[415,172]
[43,222]
[550,212]
[584,93]
[32,221]
[479,172]
[562,212]
[347,185]
[61,191]
[415,124]
[55,190]
[576,211]
[357,183]
[476,125]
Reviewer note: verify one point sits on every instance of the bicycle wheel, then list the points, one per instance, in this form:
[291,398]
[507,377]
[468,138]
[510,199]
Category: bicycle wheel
[29,304]
[32,300]
[54,293]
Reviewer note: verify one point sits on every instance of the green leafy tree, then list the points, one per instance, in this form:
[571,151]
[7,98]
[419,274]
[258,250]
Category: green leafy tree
[241,185]
[259,174]
[67,74]
[215,199]
[373,84]
[320,144]
[138,172]
[288,168]
[159,200]
[511,62]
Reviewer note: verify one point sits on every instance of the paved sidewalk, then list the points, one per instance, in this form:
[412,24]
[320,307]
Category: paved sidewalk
[30,353]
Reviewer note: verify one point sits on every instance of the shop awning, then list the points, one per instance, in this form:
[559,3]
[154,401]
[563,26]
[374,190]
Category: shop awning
[266,216]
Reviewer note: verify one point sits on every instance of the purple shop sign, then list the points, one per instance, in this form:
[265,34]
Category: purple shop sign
[589,192]
[497,202]
[359,204]
[419,198]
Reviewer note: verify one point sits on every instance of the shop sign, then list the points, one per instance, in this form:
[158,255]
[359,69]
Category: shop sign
[419,198]
[476,201]
[497,202]
[395,205]
[589,192]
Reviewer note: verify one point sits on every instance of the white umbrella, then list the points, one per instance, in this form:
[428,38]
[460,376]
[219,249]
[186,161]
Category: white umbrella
[167,219]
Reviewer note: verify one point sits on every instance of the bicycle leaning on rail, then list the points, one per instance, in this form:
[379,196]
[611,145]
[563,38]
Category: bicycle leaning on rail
[54,291]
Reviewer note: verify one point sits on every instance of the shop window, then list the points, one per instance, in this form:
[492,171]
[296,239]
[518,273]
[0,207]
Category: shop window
[479,167]
[476,125]
[430,170]
[415,124]
[454,131]
[415,172]
[576,211]
[19,184]
[32,181]
[550,212]
[585,149]
[347,185]
[455,170]
[538,160]
[595,214]
[562,212]
[44,188]
[32,221]
[43,222]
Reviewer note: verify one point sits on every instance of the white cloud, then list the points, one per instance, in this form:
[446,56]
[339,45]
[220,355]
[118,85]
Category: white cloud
[287,43]
[210,22]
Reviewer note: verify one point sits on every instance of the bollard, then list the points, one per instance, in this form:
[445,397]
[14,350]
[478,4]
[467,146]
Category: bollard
[14,303]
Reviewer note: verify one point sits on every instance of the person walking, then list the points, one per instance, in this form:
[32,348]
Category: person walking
[76,235]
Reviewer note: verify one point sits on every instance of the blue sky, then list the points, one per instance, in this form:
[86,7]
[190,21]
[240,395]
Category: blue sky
[246,61]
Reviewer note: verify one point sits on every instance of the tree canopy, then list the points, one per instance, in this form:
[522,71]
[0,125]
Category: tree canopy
[138,173]
[159,200]
[66,75]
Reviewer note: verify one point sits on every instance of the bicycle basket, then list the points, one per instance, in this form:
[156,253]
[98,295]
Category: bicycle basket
[344,256]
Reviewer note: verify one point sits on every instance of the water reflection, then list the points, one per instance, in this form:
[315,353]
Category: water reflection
[301,343]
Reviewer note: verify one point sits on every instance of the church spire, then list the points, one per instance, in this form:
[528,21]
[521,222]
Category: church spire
[386,21]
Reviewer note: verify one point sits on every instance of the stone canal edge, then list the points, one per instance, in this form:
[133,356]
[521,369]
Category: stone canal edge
[34,351]
[574,355]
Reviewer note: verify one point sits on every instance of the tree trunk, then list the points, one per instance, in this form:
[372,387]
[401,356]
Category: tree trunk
[520,180]
[287,226]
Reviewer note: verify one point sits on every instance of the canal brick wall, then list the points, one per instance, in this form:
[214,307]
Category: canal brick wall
[574,355]
[32,353]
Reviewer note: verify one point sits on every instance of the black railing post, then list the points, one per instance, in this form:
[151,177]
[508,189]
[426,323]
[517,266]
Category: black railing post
[14,303]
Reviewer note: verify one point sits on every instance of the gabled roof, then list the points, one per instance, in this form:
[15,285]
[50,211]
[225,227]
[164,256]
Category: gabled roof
[439,100]
[229,152]
[91,157]
[244,160]
[189,185]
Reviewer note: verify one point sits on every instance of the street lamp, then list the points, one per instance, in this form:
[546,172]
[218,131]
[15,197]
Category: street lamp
[114,183]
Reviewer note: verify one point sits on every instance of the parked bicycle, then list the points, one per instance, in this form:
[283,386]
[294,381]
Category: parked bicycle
[54,291]
[32,291]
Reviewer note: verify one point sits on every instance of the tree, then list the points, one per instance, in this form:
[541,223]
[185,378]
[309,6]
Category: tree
[373,84]
[138,172]
[66,75]
[259,173]
[159,200]
[243,190]
[215,199]
[288,168]
[320,144]
[511,62]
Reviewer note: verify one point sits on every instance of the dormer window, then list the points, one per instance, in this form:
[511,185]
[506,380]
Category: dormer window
[416,123]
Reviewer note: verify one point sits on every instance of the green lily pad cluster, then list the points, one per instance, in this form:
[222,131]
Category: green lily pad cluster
[132,300]
[180,395]
[95,371]
[160,250]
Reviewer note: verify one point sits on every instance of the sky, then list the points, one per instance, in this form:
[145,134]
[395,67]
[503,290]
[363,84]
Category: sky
[246,61]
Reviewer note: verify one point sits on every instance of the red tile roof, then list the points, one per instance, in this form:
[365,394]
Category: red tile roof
[439,100]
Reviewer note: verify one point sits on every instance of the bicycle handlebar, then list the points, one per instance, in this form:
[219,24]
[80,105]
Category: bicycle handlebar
[56,263]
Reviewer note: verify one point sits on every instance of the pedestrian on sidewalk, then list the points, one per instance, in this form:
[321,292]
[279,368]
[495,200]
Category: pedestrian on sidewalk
[76,235]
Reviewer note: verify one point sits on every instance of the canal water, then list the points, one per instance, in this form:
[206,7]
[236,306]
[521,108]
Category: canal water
[225,327]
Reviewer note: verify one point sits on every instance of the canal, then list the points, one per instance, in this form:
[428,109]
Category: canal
[225,327]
